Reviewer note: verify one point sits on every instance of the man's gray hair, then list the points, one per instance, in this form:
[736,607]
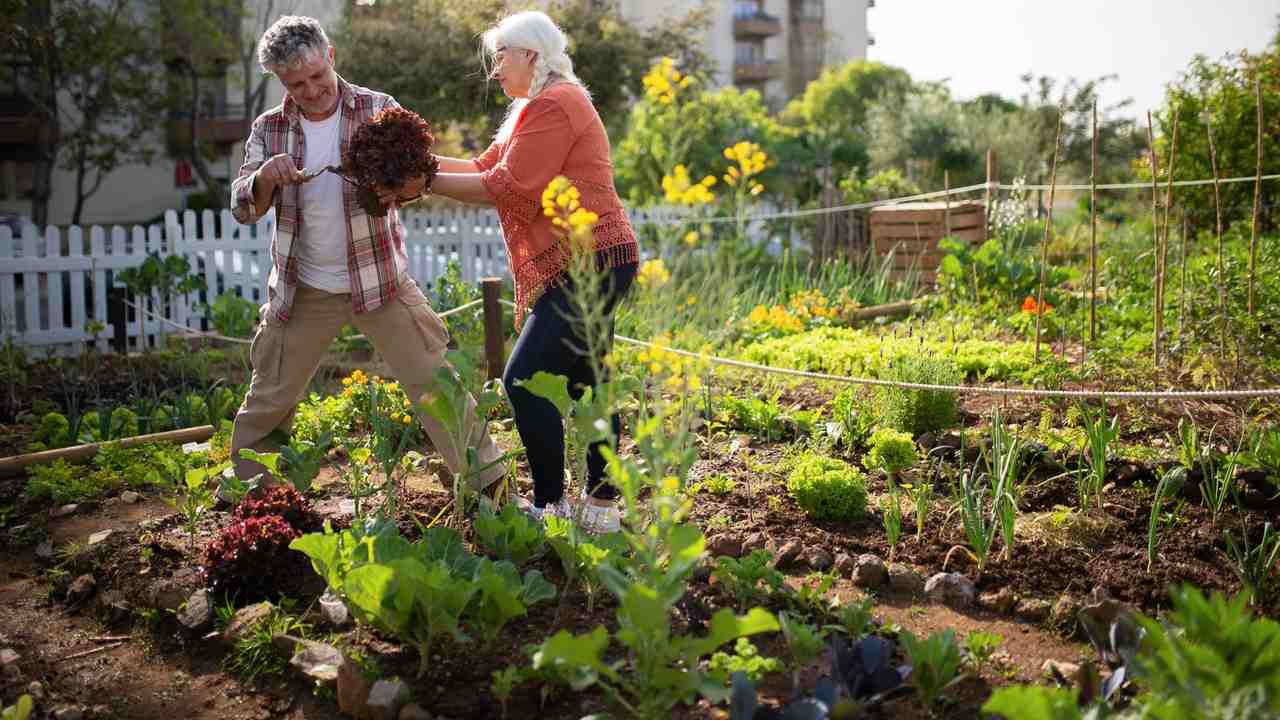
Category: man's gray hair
[291,41]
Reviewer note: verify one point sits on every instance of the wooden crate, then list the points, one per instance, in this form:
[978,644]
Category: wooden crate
[911,231]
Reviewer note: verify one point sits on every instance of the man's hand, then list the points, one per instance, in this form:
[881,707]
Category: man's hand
[411,191]
[278,172]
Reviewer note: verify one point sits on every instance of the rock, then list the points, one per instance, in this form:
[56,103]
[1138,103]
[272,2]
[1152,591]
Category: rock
[245,619]
[845,564]
[904,579]
[333,610]
[81,588]
[9,667]
[786,555]
[68,712]
[36,691]
[353,689]
[318,661]
[64,511]
[869,571]
[44,550]
[818,559]
[1064,611]
[193,447]
[129,497]
[953,589]
[387,698]
[414,711]
[1033,610]
[100,537]
[100,711]
[754,541]
[1067,670]
[724,544]
[197,613]
[1002,601]
[113,608]
[927,442]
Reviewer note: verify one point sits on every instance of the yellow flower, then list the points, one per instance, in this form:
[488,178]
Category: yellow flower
[392,386]
[653,273]
[691,238]
[407,419]
[691,300]
[395,417]
[346,381]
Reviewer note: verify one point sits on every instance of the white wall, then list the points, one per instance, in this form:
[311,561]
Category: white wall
[847,31]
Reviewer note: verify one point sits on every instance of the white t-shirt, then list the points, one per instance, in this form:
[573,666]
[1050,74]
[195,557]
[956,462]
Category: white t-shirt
[322,250]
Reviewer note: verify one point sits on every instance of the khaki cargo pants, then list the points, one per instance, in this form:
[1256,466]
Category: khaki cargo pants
[405,332]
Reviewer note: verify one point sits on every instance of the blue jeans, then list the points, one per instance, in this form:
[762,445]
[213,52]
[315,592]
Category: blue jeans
[547,342]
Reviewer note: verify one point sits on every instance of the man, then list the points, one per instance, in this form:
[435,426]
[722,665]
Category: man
[332,263]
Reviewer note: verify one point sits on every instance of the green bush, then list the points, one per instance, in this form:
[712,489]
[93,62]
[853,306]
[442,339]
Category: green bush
[332,415]
[828,489]
[64,483]
[891,451]
[852,417]
[232,315]
[921,411]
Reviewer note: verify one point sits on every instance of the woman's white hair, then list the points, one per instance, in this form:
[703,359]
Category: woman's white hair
[530,30]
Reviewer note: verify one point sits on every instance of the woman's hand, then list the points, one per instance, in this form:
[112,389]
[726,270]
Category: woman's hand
[410,192]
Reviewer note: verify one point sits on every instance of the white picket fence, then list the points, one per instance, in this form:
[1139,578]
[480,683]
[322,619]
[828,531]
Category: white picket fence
[54,283]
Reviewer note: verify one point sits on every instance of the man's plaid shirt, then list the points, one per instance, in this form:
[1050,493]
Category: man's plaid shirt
[375,246]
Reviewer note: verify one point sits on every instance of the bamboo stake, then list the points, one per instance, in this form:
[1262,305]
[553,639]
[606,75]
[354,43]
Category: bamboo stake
[1155,226]
[94,651]
[1217,207]
[1093,231]
[1257,202]
[946,211]
[1163,255]
[1182,291]
[1048,228]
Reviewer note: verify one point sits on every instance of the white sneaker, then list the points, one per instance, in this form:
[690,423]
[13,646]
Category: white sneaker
[599,519]
[560,508]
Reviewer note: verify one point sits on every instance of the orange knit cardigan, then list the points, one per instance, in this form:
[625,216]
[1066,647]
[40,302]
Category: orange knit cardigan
[558,133]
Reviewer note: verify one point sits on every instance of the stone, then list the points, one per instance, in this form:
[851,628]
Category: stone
[787,554]
[1033,610]
[952,589]
[1002,601]
[245,619]
[81,589]
[100,537]
[114,608]
[1066,670]
[197,614]
[44,550]
[353,689]
[869,571]
[904,579]
[754,541]
[9,664]
[1064,611]
[129,497]
[724,544]
[193,447]
[333,610]
[845,564]
[316,660]
[414,711]
[818,559]
[68,712]
[387,698]
[36,691]
[100,711]
[64,511]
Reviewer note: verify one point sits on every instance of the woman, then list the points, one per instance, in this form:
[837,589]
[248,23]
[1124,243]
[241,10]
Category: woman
[551,129]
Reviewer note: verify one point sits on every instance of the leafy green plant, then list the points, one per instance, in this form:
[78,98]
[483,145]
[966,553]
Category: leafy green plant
[580,555]
[751,579]
[1004,463]
[61,482]
[718,484]
[891,451]
[1100,436]
[504,682]
[920,411]
[827,489]
[805,643]
[891,509]
[920,495]
[813,595]
[232,315]
[1169,486]
[935,663]
[1033,702]
[254,655]
[979,526]
[1264,451]
[1220,485]
[20,710]
[504,595]
[745,659]
[1255,563]
[853,416]
[510,534]
[979,647]
[854,618]
[303,460]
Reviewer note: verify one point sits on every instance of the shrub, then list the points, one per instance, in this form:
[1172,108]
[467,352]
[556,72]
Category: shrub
[64,483]
[891,451]
[828,489]
[921,411]
[852,417]
[248,553]
[283,501]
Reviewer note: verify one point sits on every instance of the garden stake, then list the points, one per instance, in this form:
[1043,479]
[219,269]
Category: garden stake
[1155,229]
[1217,206]
[1093,232]
[1182,291]
[1257,200]
[1048,228]
[1163,249]
[946,209]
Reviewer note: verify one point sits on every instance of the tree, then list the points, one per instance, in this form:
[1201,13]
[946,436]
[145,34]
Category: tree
[90,82]
[425,53]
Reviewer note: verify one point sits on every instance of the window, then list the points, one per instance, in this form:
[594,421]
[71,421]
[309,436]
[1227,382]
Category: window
[746,53]
[812,9]
[746,9]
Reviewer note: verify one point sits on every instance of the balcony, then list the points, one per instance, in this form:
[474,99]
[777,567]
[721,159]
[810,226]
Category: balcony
[222,130]
[756,70]
[756,25]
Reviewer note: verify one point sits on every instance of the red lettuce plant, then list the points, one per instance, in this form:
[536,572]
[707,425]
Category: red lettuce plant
[283,501]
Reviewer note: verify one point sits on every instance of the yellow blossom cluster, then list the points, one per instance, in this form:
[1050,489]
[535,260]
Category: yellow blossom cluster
[691,238]
[774,319]
[356,386]
[805,309]
[561,201]
[664,82]
[681,190]
[811,304]
[653,274]
[677,372]
[751,162]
